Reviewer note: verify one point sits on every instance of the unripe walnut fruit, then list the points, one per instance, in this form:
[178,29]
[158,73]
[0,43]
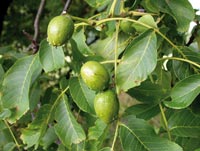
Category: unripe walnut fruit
[60,30]
[95,75]
[106,106]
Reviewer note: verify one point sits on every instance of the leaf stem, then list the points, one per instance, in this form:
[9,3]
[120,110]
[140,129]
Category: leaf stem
[13,136]
[165,121]
[180,59]
[53,107]
[116,48]
[112,8]
[110,61]
[82,19]
[145,25]
[115,136]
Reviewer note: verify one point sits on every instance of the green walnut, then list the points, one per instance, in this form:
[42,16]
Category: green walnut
[60,30]
[106,106]
[95,75]
[126,27]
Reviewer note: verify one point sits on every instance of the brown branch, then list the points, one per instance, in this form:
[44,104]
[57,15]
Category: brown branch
[36,22]
[66,6]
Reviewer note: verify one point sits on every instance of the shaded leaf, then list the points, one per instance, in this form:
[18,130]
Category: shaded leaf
[97,3]
[184,123]
[106,149]
[95,132]
[137,135]
[48,138]
[181,11]
[106,47]
[80,39]
[184,92]
[9,146]
[16,85]
[148,92]
[51,57]
[35,130]
[138,62]
[67,128]
[143,111]
[82,95]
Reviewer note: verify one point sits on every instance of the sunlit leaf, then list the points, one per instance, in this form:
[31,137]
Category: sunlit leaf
[16,85]
[184,92]
[138,61]
[67,128]
[51,57]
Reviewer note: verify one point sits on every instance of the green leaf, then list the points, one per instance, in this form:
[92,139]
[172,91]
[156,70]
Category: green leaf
[106,149]
[1,73]
[51,57]
[35,130]
[148,92]
[16,85]
[9,146]
[146,19]
[67,128]
[82,95]
[188,143]
[80,39]
[181,69]
[97,3]
[137,135]
[143,111]
[5,113]
[48,138]
[180,10]
[138,61]
[35,94]
[95,132]
[106,47]
[184,92]
[184,123]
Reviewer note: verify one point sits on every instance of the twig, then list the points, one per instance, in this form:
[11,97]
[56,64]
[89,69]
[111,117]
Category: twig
[34,45]
[36,22]
[66,6]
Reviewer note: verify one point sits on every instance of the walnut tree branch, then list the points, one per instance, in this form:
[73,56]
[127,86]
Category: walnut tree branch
[66,6]
[36,22]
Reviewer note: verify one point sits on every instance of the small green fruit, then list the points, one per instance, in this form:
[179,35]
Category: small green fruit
[95,75]
[60,30]
[126,27]
[106,106]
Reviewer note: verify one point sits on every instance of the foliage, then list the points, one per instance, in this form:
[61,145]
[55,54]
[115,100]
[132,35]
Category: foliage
[154,69]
